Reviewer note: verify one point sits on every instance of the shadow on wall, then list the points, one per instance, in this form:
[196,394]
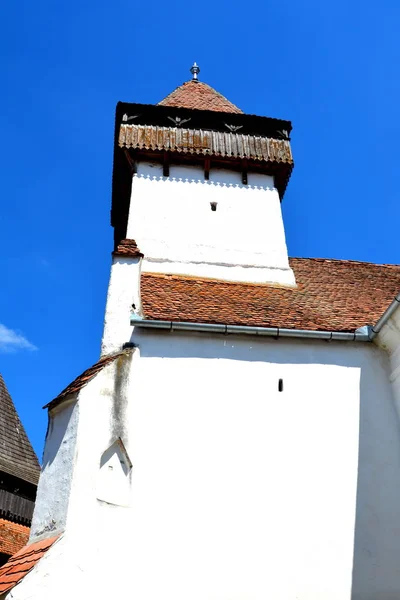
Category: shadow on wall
[376,551]
[376,571]
[255,182]
[195,175]
[61,432]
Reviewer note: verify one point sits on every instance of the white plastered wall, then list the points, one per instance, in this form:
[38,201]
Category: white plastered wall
[53,494]
[123,299]
[237,490]
[173,224]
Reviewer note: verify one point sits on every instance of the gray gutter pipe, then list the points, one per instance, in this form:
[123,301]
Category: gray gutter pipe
[363,335]
[385,317]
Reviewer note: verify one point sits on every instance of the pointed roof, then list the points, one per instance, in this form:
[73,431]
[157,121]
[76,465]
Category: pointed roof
[17,456]
[195,94]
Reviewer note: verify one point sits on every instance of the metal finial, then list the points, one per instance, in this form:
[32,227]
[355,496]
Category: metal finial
[195,70]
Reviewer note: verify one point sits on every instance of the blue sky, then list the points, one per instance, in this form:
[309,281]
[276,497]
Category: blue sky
[330,67]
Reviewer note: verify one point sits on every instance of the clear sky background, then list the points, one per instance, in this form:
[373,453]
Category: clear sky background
[330,67]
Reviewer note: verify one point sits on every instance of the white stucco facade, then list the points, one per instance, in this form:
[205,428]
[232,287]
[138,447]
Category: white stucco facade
[173,224]
[53,494]
[123,298]
[228,488]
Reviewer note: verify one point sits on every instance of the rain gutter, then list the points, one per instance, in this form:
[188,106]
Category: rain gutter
[361,335]
[385,317]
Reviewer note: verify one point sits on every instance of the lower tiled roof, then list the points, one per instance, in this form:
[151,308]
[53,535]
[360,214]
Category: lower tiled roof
[22,562]
[84,378]
[13,536]
[331,295]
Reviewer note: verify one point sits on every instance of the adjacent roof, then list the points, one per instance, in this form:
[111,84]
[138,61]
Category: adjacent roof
[199,95]
[21,563]
[331,295]
[17,456]
[13,536]
[85,377]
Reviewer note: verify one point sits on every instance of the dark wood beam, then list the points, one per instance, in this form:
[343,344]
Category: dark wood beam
[166,164]
[131,161]
[207,163]
[244,172]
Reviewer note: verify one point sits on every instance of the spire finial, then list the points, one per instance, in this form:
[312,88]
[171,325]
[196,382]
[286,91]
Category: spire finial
[195,70]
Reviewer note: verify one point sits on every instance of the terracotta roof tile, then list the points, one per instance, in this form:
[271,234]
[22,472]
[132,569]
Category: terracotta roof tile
[331,295]
[13,536]
[80,382]
[199,95]
[22,562]
[127,248]
[17,456]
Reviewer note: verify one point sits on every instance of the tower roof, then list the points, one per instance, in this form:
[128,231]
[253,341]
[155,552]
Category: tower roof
[17,456]
[195,94]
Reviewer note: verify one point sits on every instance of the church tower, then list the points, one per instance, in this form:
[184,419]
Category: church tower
[197,191]
[237,439]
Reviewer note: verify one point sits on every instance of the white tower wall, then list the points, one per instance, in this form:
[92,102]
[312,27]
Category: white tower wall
[174,226]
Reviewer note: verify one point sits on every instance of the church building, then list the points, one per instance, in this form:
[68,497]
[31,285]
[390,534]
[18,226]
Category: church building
[238,438]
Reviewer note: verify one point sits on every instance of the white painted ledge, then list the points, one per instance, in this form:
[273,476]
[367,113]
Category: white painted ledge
[234,273]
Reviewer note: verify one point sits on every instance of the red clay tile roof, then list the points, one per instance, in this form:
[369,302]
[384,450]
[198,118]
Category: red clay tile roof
[332,295]
[21,563]
[85,377]
[127,248]
[199,95]
[17,456]
[13,536]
